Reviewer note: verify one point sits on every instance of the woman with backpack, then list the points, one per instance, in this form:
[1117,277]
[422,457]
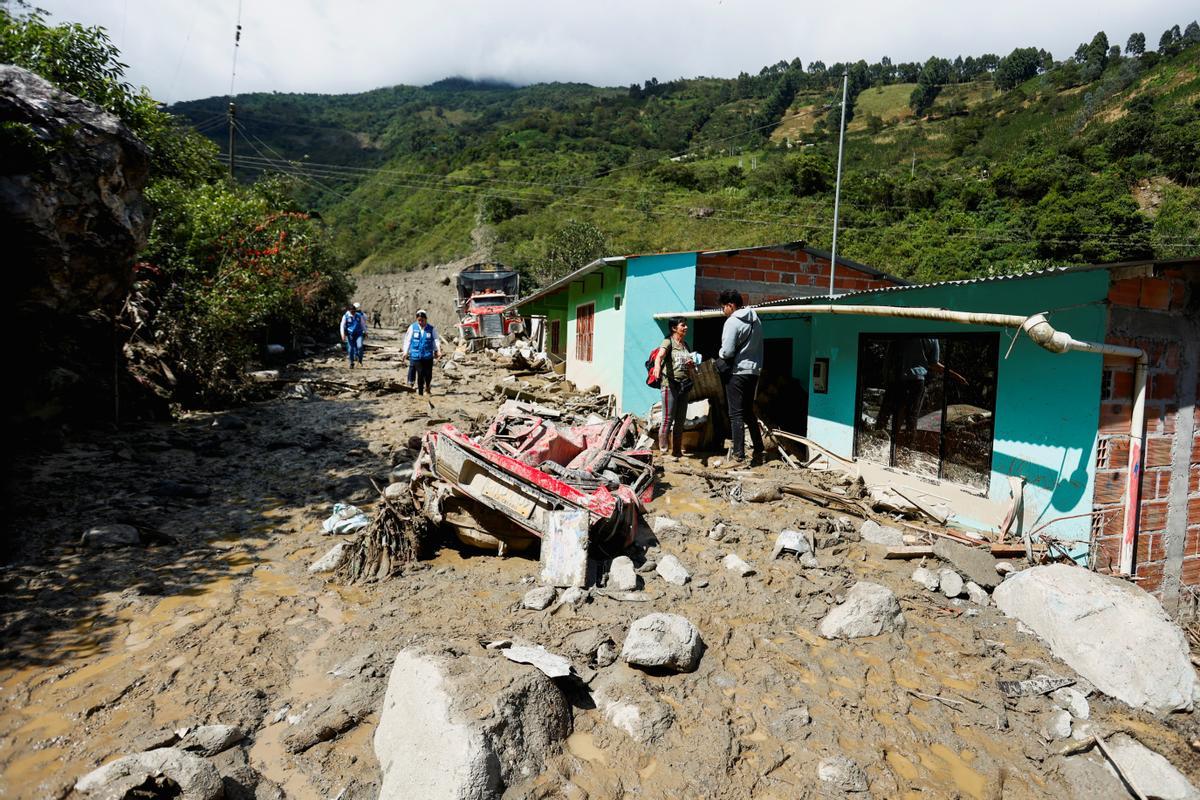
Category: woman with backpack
[674,369]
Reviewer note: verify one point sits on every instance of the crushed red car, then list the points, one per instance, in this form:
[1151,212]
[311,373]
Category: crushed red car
[500,491]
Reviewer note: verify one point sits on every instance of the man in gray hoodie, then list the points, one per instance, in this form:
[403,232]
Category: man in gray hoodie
[742,349]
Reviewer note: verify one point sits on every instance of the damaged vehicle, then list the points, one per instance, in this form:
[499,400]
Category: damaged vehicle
[502,491]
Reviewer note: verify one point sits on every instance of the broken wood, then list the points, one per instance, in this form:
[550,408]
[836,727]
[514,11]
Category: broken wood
[909,551]
[809,443]
[787,458]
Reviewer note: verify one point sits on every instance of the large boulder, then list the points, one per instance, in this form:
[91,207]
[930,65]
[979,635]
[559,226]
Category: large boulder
[868,610]
[195,778]
[1109,631]
[464,728]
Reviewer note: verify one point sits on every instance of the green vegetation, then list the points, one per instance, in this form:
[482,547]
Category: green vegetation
[225,265]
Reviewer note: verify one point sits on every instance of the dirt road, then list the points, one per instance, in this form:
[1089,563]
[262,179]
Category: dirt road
[216,620]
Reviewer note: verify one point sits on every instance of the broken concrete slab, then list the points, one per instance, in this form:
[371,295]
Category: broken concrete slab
[868,610]
[872,531]
[1150,773]
[629,704]
[976,564]
[790,541]
[950,582]
[550,664]
[622,577]
[842,773]
[539,598]
[434,741]
[1112,633]
[663,641]
[195,778]
[672,570]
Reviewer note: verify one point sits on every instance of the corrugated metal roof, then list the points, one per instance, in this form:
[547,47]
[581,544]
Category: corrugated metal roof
[1041,273]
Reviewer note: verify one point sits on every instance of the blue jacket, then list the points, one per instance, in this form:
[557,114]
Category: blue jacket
[420,343]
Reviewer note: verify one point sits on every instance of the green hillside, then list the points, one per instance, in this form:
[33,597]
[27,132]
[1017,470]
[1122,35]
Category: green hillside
[999,165]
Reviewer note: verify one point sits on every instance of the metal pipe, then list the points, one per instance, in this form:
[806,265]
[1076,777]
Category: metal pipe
[1038,328]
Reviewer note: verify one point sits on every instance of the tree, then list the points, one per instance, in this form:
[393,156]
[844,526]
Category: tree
[934,75]
[1017,67]
[570,247]
[1191,34]
[1170,42]
[1136,44]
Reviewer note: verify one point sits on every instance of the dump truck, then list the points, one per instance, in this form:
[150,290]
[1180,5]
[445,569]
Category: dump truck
[485,290]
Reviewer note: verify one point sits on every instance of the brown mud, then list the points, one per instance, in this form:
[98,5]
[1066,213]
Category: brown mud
[218,621]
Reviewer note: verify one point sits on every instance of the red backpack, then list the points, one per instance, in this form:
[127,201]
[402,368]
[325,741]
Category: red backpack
[653,383]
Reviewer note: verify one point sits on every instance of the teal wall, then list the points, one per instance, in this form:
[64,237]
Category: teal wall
[1047,404]
[604,370]
[654,285]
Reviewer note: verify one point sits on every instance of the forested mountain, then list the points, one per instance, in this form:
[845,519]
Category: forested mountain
[952,167]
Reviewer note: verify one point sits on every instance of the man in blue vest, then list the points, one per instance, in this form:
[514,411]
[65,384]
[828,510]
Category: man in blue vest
[354,330]
[421,347]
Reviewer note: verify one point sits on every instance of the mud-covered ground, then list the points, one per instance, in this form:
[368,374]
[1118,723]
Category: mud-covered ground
[217,620]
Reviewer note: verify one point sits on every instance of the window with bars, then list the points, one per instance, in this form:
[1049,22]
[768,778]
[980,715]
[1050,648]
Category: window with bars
[585,328]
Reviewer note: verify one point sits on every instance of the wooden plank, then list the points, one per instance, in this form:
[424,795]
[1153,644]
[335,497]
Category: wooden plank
[909,551]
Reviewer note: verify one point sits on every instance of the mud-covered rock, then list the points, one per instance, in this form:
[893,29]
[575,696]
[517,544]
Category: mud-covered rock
[622,577]
[868,610]
[1109,631]
[926,578]
[104,537]
[950,583]
[464,728]
[208,740]
[628,704]
[672,570]
[1152,774]
[842,773]
[539,598]
[663,641]
[194,778]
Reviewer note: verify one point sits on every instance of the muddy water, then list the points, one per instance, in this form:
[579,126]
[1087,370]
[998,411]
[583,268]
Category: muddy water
[225,625]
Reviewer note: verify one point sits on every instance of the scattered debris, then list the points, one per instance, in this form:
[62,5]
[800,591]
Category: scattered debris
[1109,631]
[1056,725]
[621,575]
[792,542]
[868,610]
[663,641]
[551,665]
[345,519]
[564,549]
[873,532]
[1072,700]
[926,578]
[950,582]
[978,594]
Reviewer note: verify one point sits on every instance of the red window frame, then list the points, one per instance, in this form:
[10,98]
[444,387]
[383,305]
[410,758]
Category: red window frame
[585,330]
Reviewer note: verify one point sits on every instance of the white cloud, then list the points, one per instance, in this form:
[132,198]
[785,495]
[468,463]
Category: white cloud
[183,49]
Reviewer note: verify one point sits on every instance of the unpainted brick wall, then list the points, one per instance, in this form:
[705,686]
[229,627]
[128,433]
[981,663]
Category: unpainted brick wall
[1164,294]
[775,274]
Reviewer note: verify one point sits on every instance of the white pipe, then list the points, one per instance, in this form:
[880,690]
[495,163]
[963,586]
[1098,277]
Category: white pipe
[1045,335]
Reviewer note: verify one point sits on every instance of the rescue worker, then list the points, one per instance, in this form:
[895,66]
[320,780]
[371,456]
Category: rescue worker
[353,332]
[421,347]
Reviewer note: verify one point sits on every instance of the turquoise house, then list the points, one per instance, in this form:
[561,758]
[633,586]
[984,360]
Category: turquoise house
[979,423]
[599,319]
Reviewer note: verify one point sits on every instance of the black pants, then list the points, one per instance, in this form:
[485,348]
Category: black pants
[422,370]
[739,396]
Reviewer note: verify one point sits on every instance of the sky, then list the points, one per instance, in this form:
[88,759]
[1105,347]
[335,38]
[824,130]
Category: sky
[183,49]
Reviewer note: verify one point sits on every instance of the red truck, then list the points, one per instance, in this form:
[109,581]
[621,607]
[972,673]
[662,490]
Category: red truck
[484,291]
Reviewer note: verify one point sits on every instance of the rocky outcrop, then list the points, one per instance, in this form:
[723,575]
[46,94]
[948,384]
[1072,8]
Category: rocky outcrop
[72,217]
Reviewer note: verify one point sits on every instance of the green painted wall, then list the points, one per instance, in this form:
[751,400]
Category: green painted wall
[604,370]
[654,285]
[1047,404]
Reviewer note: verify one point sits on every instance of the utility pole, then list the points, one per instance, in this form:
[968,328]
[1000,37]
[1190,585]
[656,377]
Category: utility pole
[232,141]
[837,189]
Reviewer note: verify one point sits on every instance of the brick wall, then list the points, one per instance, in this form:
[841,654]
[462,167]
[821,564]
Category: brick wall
[1156,313]
[774,274]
